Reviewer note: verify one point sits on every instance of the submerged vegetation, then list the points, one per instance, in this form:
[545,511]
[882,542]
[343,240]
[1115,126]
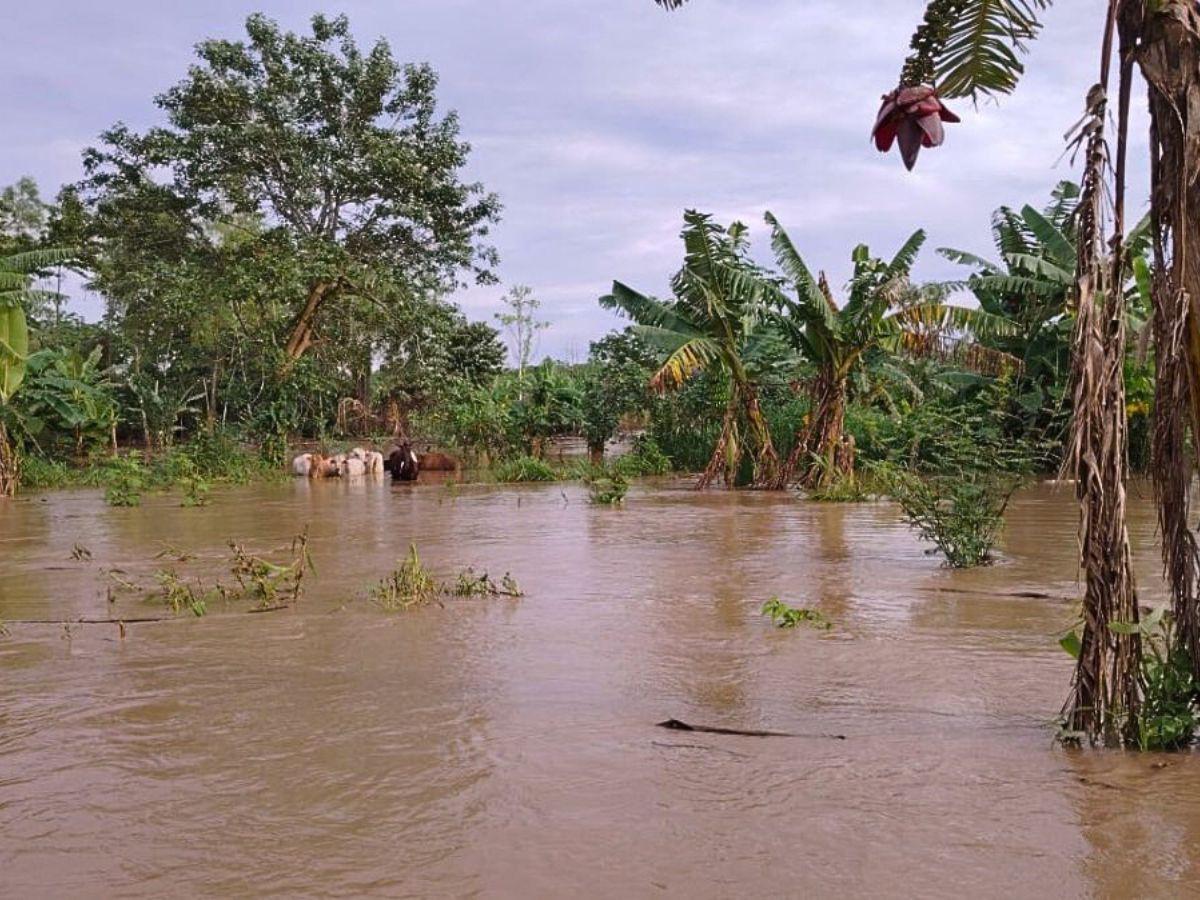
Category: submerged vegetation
[412,584]
[784,616]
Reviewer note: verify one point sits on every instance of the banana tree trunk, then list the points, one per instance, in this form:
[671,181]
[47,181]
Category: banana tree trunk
[1106,695]
[821,449]
[10,465]
[727,453]
[1169,57]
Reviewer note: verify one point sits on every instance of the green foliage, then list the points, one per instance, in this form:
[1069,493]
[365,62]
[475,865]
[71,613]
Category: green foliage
[179,596]
[962,515]
[524,468]
[607,489]
[1168,717]
[646,458]
[124,478]
[469,584]
[272,585]
[844,487]
[784,616]
[409,585]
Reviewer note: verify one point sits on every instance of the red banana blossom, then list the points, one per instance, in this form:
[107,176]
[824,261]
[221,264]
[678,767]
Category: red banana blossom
[915,116]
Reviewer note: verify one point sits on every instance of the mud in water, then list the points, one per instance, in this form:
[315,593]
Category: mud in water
[510,747]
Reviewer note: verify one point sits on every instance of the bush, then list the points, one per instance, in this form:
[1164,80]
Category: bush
[646,458]
[607,490]
[524,468]
[39,472]
[962,516]
[124,479]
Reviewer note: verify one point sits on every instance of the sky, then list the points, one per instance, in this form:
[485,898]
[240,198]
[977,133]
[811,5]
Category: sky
[599,121]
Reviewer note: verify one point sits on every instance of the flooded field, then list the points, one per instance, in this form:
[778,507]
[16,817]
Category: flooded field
[507,747]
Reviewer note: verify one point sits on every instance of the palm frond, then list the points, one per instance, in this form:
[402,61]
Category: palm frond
[1053,241]
[670,4]
[32,260]
[903,261]
[811,304]
[985,39]
[686,360]
[1025,264]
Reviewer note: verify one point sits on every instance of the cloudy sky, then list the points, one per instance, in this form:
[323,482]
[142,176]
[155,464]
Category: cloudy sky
[599,121]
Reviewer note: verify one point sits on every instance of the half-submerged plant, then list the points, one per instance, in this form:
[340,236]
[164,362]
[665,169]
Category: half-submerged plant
[270,584]
[471,585]
[963,516]
[785,616]
[409,585]
[124,479]
[607,489]
[1167,717]
[179,596]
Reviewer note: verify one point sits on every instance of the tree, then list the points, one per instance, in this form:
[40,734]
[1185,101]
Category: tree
[614,383]
[522,323]
[329,161]
[717,320]
[876,316]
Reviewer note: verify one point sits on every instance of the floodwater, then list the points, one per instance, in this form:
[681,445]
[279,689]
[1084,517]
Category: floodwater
[508,747]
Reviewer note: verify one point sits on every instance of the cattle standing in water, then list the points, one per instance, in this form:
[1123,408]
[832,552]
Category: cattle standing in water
[374,462]
[438,462]
[402,463]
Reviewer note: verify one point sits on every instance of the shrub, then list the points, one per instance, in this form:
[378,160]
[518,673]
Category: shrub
[646,458]
[962,516]
[608,489]
[124,479]
[39,472]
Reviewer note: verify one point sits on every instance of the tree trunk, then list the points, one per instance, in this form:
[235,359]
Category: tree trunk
[1169,56]
[10,465]
[727,453]
[820,443]
[1106,696]
[302,331]
[766,460]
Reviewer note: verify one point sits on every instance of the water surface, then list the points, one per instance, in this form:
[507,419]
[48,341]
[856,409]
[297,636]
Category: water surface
[507,747]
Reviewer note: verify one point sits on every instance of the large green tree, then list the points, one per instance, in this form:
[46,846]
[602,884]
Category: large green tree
[325,165]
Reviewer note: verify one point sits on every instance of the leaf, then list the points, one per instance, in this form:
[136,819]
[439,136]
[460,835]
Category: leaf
[14,348]
[1071,643]
[980,55]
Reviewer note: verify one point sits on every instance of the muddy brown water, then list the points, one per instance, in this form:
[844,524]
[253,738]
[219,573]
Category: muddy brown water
[508,748]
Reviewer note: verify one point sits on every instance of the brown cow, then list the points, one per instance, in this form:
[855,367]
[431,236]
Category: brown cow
[438,462]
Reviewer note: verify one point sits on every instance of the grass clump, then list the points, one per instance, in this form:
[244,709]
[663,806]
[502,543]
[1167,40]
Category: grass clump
[646,458]
[412,584]
[784,616]
[522,469]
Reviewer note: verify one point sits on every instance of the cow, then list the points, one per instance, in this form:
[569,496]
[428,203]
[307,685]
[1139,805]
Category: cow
[438,462]
[402,463]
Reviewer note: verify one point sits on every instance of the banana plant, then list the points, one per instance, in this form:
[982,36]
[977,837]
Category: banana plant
[717,321]
[883,312]
[16,291]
